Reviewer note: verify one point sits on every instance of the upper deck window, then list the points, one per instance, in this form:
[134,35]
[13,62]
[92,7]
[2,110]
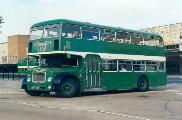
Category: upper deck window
[137,39]
[71,31]
[149,40]
[90,33]
[52,31]
[128,37]
[36,33]
[107,35]
[120,37]
[159,41]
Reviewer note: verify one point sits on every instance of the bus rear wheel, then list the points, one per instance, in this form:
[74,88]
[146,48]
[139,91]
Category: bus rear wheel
[142,85]
[33,93]
[68,88]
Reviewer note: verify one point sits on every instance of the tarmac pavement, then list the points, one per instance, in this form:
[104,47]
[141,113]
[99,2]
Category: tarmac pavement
[162,103]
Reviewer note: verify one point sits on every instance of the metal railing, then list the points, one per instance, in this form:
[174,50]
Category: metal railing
[12,76]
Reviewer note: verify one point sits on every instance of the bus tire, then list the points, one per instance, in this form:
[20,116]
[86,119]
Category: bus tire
[33,93]
[68,88]
[142,84]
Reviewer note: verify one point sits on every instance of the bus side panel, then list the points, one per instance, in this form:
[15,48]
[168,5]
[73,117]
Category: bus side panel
[128,80]
[109,47]
[120,80]
[161,78]
[156,78]
[152,78]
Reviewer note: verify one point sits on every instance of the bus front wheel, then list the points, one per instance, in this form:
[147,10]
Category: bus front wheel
[142,84]
[68,88]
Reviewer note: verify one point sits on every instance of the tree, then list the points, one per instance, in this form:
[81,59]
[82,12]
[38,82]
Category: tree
[1,21]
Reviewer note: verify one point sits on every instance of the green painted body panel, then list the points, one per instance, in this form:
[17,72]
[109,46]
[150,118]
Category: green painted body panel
[128,80]
[109,80]
[99,47]
[51,72]
[49,46]
[112,47]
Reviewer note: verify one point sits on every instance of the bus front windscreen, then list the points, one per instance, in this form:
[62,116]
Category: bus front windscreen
[33,60]
[36,33]
[57,61]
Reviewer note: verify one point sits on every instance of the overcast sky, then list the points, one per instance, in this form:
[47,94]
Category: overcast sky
[19,15]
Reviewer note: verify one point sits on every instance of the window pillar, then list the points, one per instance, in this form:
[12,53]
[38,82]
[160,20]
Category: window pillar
[115,39]
[130,38]
[81,33]
[143,39]
[99,34]
[155,41]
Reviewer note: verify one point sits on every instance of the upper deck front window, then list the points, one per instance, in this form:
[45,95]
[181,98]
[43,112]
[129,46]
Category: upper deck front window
[71,31]
[52,31]
[36,33]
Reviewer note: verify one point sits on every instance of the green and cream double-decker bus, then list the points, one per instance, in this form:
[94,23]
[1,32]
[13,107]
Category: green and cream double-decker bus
[75,57]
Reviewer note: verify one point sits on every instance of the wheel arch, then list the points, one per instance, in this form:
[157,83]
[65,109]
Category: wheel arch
[146,78]
[24,83]
[61,77]
[143,76]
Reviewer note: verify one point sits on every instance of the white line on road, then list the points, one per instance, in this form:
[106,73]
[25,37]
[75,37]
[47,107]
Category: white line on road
[53,107]
[10,92]
[90,110]
[172,90]
[119,114]
[65,108]
[177,92]
[33,105]
[151,91]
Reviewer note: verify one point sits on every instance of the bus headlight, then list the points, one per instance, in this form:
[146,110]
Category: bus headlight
[49,87]
[28,79]
[49,79]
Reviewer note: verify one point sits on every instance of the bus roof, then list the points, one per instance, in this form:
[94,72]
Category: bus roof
[65,21]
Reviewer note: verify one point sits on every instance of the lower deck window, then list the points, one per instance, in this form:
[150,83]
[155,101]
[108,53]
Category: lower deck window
[139,65]
[161,66]
[151,66]
[136,66]
[124,65]
[110,65]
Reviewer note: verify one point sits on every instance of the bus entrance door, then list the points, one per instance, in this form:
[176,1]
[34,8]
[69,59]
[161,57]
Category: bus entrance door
[92,71]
